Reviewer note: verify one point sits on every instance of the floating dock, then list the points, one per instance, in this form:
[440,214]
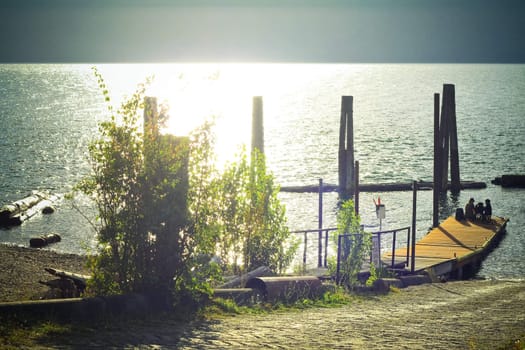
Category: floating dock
[380,187]
[454,249]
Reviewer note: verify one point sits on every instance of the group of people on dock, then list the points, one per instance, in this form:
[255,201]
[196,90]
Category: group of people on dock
[478,211]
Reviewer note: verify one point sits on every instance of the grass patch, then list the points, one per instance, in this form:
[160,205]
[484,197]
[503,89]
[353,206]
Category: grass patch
[15,334]
[115,332]
[225,307]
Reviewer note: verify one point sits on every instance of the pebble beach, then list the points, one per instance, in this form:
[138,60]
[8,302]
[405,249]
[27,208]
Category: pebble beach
[23,268]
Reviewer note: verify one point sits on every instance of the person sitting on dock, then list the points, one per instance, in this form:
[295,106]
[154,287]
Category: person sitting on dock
[479,211]
[470,212]
[487,211]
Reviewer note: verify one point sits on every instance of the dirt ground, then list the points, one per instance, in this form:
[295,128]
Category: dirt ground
[23,268]
[452,315]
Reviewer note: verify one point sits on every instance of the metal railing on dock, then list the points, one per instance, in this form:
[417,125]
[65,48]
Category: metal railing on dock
[323,242]
[375,255]
[394,244]
[322,235]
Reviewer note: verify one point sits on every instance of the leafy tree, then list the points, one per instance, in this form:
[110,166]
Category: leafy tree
[267,237]
[254,231]
[164,209]
[139,183]
[232,206]
[355,246]
[240,211]
[116,187]
[203,188]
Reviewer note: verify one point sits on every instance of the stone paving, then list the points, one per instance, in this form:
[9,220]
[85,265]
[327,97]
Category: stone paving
[454,315]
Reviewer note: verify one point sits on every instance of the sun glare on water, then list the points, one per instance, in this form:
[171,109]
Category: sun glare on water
[201,92]
[195,93]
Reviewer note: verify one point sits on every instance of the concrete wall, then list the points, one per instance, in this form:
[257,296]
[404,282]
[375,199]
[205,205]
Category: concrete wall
[85,309]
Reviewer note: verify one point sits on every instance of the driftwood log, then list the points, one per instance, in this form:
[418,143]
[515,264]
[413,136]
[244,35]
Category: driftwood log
[69,283]
[17,212]
[42,241]
[66,288]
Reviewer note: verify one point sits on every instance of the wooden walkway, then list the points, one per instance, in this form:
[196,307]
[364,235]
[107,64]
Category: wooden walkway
[453,247]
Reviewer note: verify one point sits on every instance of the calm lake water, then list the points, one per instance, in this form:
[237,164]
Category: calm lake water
[49,114]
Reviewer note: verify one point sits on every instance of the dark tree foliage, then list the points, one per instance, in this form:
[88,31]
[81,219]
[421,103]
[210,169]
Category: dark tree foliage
[165,210]
[140,186]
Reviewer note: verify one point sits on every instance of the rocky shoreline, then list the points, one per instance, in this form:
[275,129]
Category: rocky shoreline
[23,268]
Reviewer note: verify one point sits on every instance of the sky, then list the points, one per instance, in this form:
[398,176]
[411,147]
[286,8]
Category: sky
[331,31]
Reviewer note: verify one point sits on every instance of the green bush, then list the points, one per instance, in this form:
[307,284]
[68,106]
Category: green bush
[355,247]
[164,210]
[139,183]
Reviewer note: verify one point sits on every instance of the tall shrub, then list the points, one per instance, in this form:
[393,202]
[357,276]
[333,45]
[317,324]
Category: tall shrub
[239,210]
[139,184]
[254,229]
[267,237]
[164,209]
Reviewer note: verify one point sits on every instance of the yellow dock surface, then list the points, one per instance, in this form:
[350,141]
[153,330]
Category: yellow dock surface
[453,244]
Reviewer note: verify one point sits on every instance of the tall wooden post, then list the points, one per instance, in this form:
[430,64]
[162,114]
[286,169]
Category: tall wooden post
[449,140]
[356,188]
[257,124]
[342,150]
[320,255]
[346,148]
[414,206]
[176,144]
[437,162]
[151,128]
[350,145]
[444,141]
[454,153]
[151,116]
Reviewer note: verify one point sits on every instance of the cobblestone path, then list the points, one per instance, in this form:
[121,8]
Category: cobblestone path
[455,315]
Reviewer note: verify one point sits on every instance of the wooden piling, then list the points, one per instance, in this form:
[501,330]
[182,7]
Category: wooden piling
[346,148]
[449,140]
[150,128]
[350,146]
[414,207]
[356,188]
[320,226]
[444,141]
[437,162]
[257,124]
[151,125]
[153,141]
[454,153]
[342,149]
